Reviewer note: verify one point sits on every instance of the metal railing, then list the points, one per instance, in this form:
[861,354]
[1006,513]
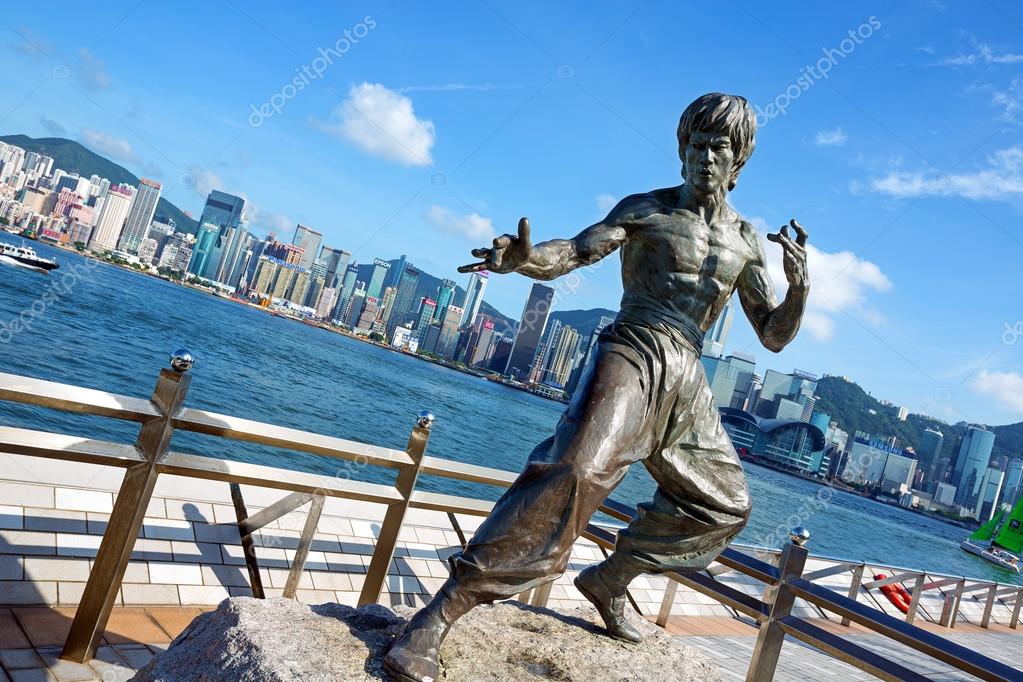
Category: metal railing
[164,413]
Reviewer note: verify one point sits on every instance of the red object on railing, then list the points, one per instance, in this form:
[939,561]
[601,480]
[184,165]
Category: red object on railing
[896,593]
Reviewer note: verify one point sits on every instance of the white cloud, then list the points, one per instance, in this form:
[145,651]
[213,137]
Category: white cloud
[54,128]
[383,123]
[271,221]
[839,281]
[982,54]
[1003,176]
[1005,387]
[92,72]
[201,180]
[472,226]
[830,138]
[1010,100]
[108,145]
[605,202]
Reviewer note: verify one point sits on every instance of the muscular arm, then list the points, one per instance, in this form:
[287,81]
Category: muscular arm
[775,325]
[554,258]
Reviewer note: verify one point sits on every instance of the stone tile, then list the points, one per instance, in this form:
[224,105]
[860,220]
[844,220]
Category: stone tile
[277,539]
[45,626]
[202,594]
[11,634]
[66,671]
[157,509]
[110,666]
[55,520]
[84,500]
[403,584]
[27,542]
[32,675]
[356,545]
[130,624]
[231,555]
[347,598]
[167,529]
[136,572]
[222,533]
[152,550]
[367,530]
[173,621]
[96,522]
[316,561]
[16,659]
[227,576]
[314,596]
[189,511]
[22,592]
[331,581]
[324,542]
[70,544]
[419,550]
[431,536]
[26,494]
[198,552]
[240,591]
[135,656]
[54,568]
[345,563]
[175,574]
[279,578]
[137,595]
[70,594]
[335,525]
[11,518]
[224,513]
[271,557]
[11,567]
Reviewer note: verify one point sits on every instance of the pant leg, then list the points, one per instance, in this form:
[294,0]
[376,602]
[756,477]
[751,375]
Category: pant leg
[528,537]
[702,501]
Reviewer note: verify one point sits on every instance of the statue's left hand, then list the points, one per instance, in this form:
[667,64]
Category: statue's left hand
[794,258]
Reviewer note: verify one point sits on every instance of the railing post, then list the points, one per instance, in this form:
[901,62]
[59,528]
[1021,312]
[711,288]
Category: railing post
[670,589]
[854,587]
[957,598]
[764,661]
[914,600]
[405,484]
[988,606]
[1015,610]
[126,518]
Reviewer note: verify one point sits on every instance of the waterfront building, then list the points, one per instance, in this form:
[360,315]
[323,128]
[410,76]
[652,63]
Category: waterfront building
[111,219]
[447,340]
[325,306]
[482,349]
[532,323]
[340,313]
[176,252]
[375,285]
[945,493]
[354,309]
[868,458]
[730,379]
[715,338]
[221,215]
[445,297]
[403,339]
[1013,481]
[317,280]
[147,250]
[140,215]
[588,354]
[931,442]
[898,472]
[474,297]
[788,443]
[499,356]
[335,262]
[990,494]
[393,278]
[369,313]
[971,463]
[428,338]
[561,356]
[427,306]
[404,297]
[787,396]
[386,308]
[309,240]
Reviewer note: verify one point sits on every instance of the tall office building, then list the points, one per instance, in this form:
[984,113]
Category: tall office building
[971,465]
[930,457]
[344,297]
[561,355]
[474,297]
[730,379]
[375,285]
[111,219]
[395,272]
[531,328]
[448,339]
[787,396]
[404,299]
[990,494]
[143,206]
[336,262]
[424,318]
[221,217]
[1013,481]
[309,239]
[714,341]
[589,353]
[445,297]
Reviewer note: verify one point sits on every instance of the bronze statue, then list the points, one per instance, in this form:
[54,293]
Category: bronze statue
[684,251]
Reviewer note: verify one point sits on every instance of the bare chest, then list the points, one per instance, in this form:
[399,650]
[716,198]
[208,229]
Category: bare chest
[678,243]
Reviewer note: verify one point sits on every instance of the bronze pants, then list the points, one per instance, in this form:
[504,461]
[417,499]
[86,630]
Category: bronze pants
[645,399]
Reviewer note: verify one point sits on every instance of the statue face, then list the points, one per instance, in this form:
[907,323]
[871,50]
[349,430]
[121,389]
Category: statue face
[707,160]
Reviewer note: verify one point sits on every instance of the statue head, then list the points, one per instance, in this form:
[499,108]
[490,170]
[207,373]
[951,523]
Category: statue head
[715,139]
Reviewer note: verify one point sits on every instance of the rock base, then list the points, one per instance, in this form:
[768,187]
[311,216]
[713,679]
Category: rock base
[280,639]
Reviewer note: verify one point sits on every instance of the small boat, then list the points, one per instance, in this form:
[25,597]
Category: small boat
[25,256]
[1000,540]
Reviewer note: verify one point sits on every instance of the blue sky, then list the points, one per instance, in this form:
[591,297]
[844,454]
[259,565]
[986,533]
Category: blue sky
[433,127]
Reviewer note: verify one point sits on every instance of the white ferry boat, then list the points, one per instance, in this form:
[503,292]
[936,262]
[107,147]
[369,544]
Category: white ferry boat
[25,256]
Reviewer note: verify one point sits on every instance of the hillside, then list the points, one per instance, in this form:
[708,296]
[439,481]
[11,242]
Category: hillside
[74,158]
[584,321]
[849,405]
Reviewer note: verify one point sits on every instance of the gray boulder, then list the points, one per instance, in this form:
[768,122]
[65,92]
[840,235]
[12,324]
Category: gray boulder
[280,639]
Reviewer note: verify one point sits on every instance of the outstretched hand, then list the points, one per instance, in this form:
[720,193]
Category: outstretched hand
[508,253]
[794,258]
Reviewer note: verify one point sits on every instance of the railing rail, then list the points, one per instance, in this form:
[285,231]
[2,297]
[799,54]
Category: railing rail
[164,413]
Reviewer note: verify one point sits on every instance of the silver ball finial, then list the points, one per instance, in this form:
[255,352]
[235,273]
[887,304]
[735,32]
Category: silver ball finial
[425,420]
[181,360]
[799,536]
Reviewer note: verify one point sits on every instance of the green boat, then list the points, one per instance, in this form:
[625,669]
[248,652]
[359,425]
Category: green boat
[1000,540]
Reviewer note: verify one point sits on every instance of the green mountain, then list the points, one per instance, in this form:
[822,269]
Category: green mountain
[856,410]
[74,158]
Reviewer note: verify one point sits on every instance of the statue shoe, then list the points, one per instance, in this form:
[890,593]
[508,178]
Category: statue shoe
[414,654]
[610,607]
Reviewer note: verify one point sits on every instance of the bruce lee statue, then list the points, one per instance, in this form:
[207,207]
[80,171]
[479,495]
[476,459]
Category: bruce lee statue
[684,251]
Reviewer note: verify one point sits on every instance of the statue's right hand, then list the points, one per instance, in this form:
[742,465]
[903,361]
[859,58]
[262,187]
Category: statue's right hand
[508,253]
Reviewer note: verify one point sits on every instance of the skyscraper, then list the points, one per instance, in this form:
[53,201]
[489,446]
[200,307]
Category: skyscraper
[448,340]
[394,274]
[344,297]
[445,297]
[222,215]
[336,262]
[424,318]
[1013,481]
[474,297]
[309,239]
[714,341]
[111,219]
[404,299]
[531,327]
[930,457]
[787,396]
[375,287]
[971,465]
[136,225]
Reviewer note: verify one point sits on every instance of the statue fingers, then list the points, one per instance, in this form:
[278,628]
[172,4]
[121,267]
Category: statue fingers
[474,267]
[801,233]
